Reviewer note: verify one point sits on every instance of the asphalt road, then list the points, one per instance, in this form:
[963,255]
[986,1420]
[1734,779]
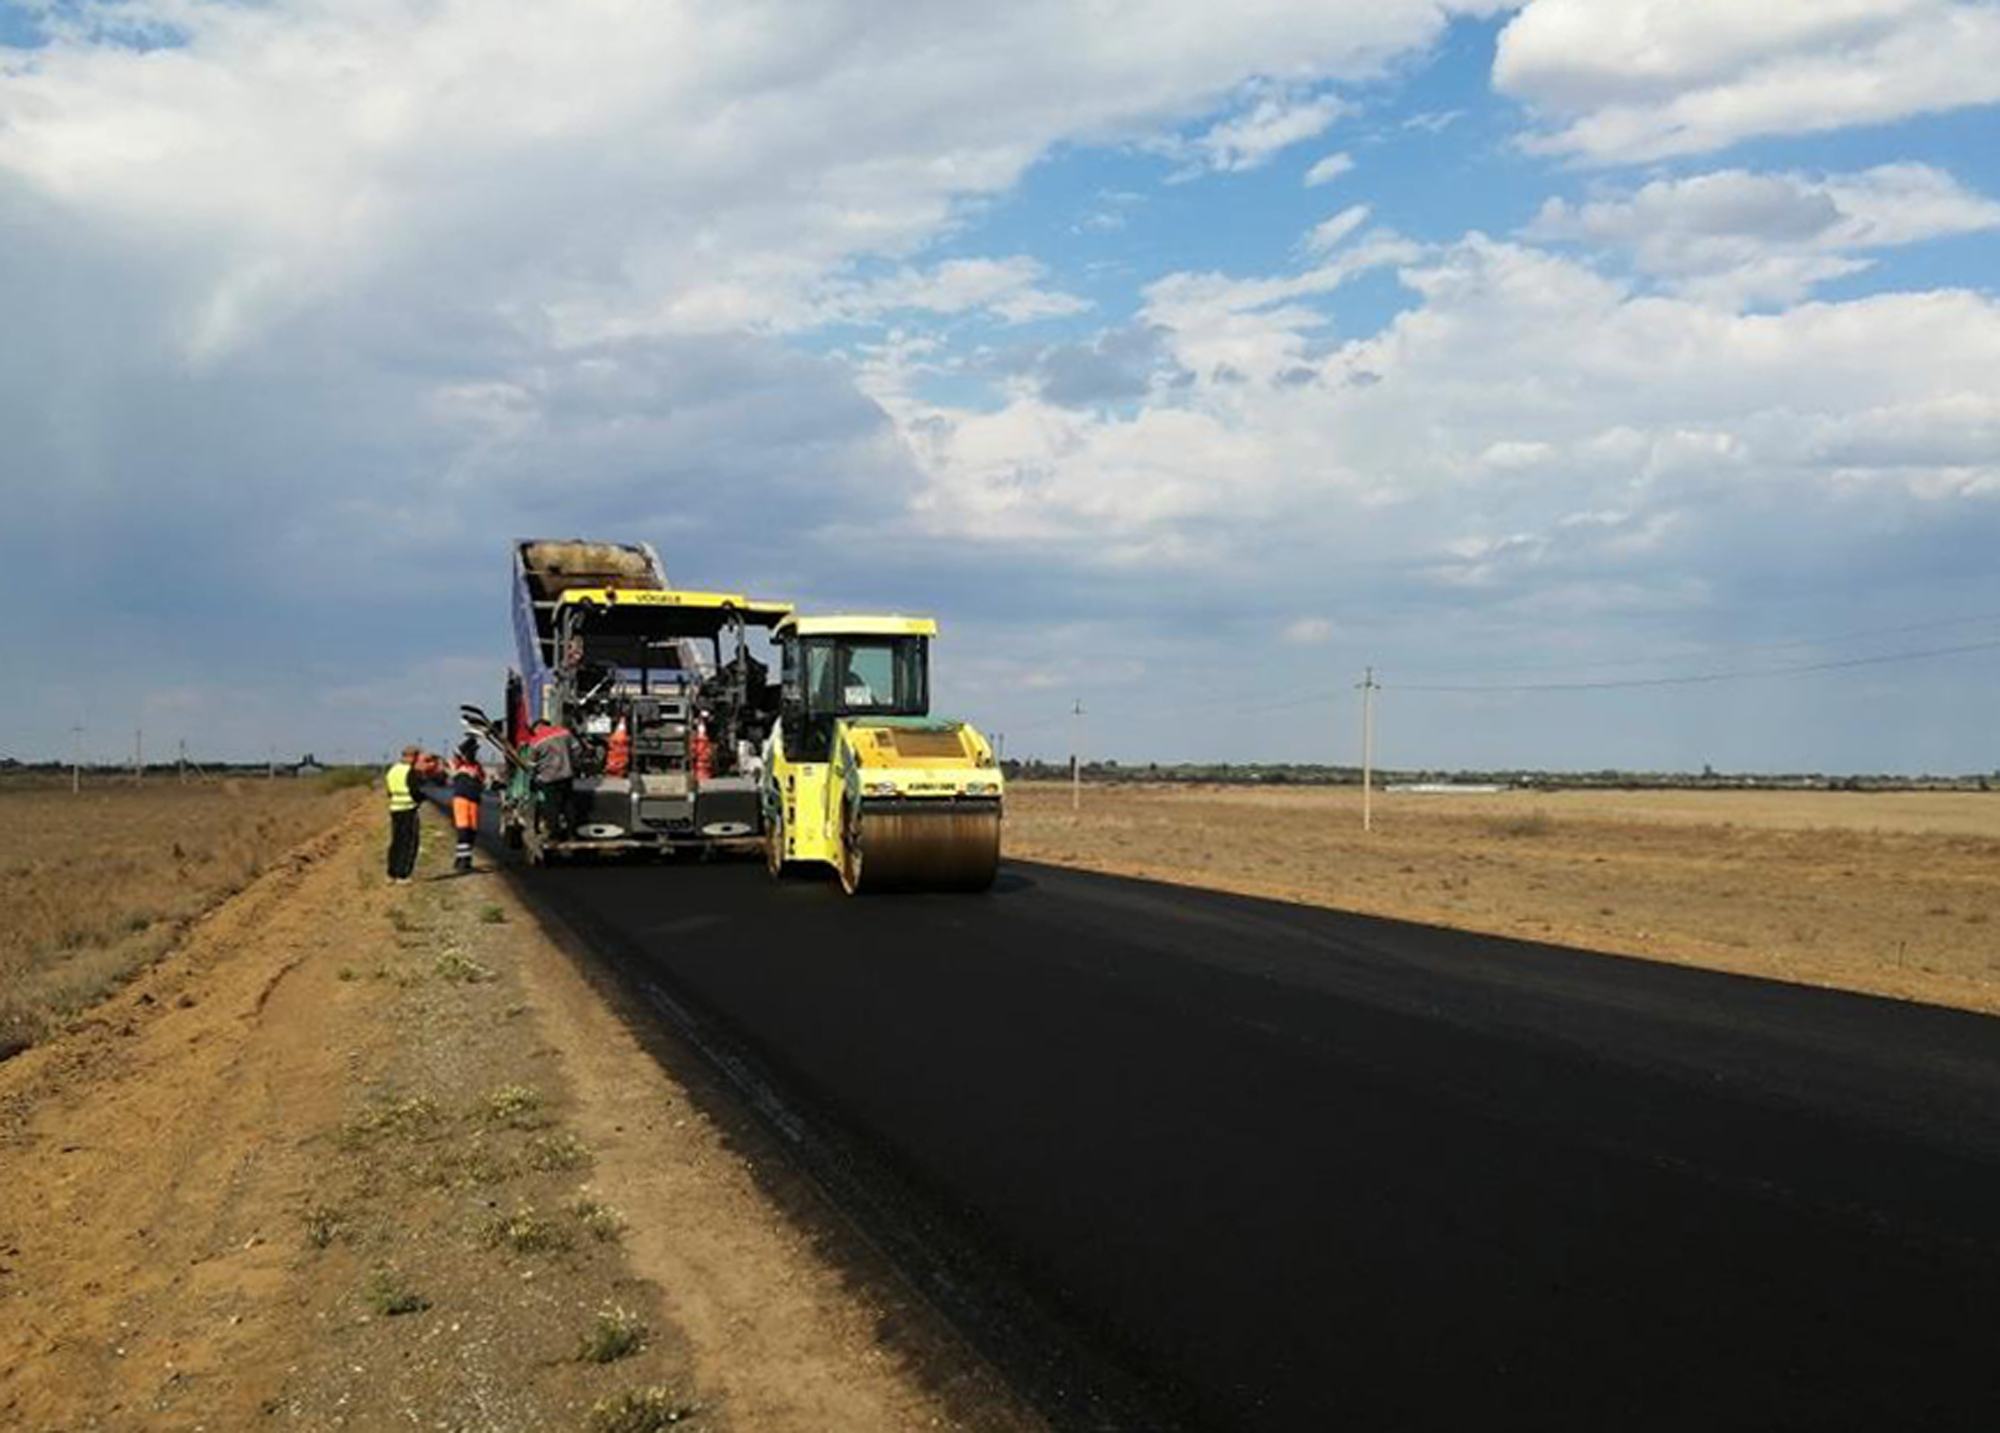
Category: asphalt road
[1296,1170]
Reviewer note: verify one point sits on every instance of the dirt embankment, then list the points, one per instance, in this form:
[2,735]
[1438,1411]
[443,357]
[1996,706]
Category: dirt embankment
[1885,893]
[354,1156]
[95,885]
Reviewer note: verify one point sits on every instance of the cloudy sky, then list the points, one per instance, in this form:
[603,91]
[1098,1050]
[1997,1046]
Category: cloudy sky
[1185,359]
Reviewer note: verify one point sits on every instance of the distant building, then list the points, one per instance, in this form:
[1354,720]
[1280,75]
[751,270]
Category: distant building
[1445,788]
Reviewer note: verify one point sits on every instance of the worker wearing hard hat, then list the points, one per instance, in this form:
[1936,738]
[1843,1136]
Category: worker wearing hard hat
[402,781]
[468,783]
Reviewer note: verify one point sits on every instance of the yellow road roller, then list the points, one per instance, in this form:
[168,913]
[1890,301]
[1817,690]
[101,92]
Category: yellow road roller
[859,775]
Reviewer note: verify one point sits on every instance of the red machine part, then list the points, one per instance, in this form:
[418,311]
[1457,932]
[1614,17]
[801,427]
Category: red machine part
[703,751]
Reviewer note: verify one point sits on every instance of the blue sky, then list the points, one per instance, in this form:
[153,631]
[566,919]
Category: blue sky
[1183,368]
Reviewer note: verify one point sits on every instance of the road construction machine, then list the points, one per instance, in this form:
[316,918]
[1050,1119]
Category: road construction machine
[858,774]
[657,698]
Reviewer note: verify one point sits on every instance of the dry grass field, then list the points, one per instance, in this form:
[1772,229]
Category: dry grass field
[1893,893]
[96,885]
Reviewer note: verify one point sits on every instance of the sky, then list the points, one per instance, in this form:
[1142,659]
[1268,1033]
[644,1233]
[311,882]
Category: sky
[1619,379]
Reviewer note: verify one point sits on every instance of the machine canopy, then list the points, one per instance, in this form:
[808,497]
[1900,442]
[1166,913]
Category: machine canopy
[623,612]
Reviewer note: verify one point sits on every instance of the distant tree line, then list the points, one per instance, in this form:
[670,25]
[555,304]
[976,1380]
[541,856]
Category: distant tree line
[1264,773]
[305,766]
[1286,773]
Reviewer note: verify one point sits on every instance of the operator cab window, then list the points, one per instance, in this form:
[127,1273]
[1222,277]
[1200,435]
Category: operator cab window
[826,678]
[866,675]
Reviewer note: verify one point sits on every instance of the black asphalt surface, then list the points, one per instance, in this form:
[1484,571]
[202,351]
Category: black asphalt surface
[1291,1169]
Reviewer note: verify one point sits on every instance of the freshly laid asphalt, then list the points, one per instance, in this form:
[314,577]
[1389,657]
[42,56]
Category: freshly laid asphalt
[1289,1169]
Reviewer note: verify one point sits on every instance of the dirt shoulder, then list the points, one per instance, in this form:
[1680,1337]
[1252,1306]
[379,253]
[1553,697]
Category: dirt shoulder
[1888,894]
[360,1156]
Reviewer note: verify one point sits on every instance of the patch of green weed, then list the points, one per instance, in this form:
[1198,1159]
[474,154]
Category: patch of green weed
[639,1410]
[389,1296]
[390,1117]
[552,1152]
[471,1164]
[602,1222]
[527,1232]
[517,1105]
[462,969]
[322,1226]
[616,1334]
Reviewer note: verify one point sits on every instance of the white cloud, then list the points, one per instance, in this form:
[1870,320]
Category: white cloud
[1326,170]
[1434,121]
[1235,330]
[687,167]
[1905,204]
[1329,234]
[1625,81]
[1111,212]
[1254,136]
[1008,288]
[299,296]
[1513,455]
[1736,237]
[311,310]
[1534,430]
[1309,632]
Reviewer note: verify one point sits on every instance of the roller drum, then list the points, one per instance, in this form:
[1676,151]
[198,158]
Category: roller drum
[949,846]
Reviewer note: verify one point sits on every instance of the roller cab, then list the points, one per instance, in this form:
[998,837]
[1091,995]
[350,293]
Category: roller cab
[858,775]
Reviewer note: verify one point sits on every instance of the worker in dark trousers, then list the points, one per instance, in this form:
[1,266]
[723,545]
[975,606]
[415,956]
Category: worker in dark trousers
[402,781]
[552,751]
[468,781]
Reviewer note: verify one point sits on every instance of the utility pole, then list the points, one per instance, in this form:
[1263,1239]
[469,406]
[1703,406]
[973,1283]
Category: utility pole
[76,760]
[181,762]
[1075,757]
[270,763]
[1369,686]
[139,757]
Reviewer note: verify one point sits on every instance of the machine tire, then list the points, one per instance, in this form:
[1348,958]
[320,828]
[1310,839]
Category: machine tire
[852,854]
[774,848]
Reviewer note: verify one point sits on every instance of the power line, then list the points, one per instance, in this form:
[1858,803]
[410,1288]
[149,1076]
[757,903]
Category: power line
[1370,684]
[1368,687]
[1311,699]
[1075,756]
[1704,678]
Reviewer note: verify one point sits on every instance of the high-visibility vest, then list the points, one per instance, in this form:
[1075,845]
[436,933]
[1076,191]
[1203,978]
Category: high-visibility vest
[401,797]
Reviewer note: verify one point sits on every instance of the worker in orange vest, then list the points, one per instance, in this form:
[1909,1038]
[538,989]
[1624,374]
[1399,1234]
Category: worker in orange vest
[551,753]
[468,783]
